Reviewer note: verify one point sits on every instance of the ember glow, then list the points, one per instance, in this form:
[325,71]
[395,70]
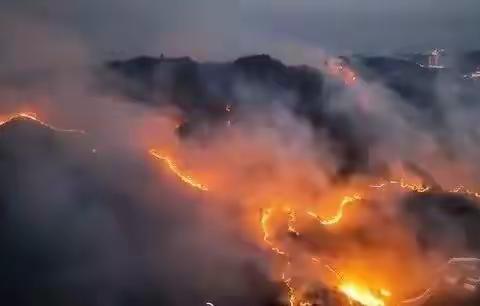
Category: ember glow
[404,185]
[361,295]
[311,229]
[187,179]
[264,224]
[34,117]
[369,285]
[338,217]
[338,69]
[329,168]
[288,222]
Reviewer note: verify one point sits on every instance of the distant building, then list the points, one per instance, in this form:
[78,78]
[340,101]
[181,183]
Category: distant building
[434,59]
[473,76]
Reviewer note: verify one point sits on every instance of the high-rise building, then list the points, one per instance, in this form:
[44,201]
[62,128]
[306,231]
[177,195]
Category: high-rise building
[434,59]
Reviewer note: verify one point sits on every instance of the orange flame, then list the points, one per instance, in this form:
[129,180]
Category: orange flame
[174,168]
[34,117]
[292,299]
[338,217]
[265,216]
[462,190]
[340,70]
[363,295]
[275,216]
[412,187]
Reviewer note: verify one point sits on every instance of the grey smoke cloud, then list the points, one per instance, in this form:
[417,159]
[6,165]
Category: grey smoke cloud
[55,36]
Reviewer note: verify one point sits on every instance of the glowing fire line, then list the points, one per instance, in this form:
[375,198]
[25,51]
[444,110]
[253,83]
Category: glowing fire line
[34,117]
[174,168]
[423,188]
[403,185]
[264,218]
[339,215]
[353,291]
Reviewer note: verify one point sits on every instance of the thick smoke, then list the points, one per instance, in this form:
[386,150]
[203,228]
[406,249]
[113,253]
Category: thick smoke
[268,152]
[92,219]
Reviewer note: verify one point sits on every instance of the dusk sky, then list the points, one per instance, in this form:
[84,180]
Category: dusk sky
[225,29]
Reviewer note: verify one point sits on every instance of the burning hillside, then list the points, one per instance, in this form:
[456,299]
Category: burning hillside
[332,240]
[33,117]
[325,244]
[239,153]
[255,183]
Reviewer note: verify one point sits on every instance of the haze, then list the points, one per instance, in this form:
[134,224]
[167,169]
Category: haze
[225,29]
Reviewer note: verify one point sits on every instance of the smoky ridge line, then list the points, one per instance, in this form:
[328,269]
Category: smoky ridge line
[304,164]
[238,153]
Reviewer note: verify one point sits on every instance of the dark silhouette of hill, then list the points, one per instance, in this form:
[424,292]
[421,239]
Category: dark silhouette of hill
[207,87]
[202,91]
[202,86]
[77,228]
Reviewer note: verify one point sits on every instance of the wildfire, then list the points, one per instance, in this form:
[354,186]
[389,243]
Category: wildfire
[423,188]
[291,291]
[292,219]
[34,117]
[265,215]
[463,190]
[276,216]
[404,185]
[364,292]
[174,168]
[338,69]
[363,295]
[264,218]
[339,215]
